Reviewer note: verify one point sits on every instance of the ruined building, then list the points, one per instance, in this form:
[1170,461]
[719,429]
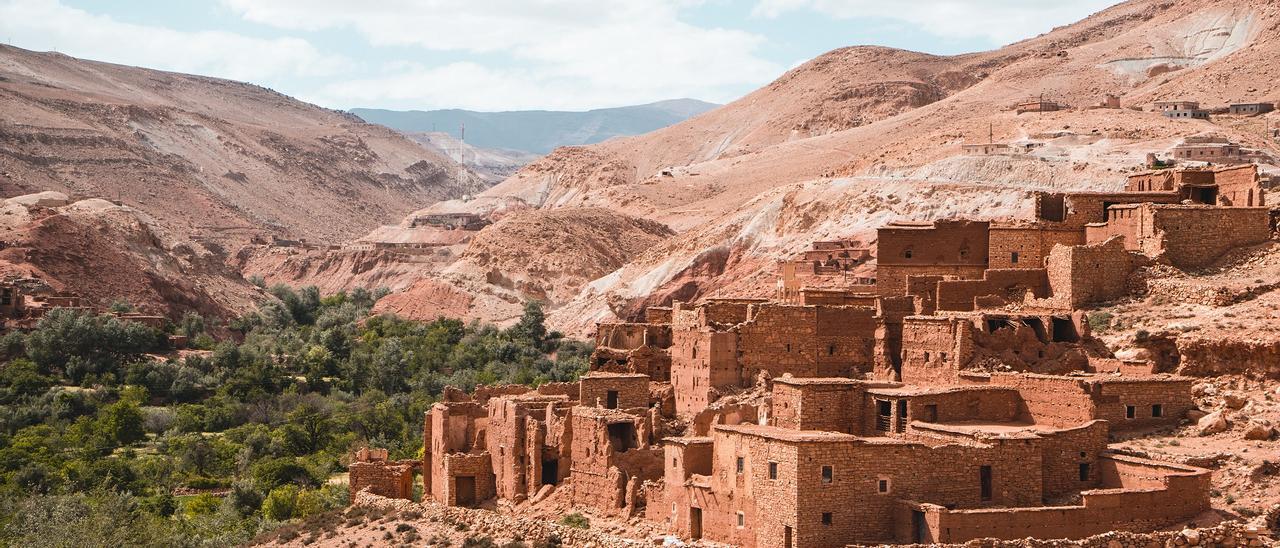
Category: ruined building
[953,391]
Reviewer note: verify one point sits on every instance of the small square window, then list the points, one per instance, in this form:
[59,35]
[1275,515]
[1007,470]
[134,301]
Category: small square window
[741,465]
[827,474]
[826,518]
[773,470]
[1157,410]
[1130,412]
[742,520]
[882,485]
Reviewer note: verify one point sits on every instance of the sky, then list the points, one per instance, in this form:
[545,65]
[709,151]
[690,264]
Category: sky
[494,55]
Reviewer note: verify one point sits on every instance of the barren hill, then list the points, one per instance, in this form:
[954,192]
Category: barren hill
[210,159]
[865,135]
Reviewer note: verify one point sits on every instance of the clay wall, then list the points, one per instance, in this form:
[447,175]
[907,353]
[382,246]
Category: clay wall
[1187,236]
[1075,210]
[611,458]
[466,479]
[1048,400]
[700,361]
[944,248]
[837,297]
[388,479]
[614,390]
[1149,181]
[1094,273]
[1180,493]
[1009,284]
[1028,246]
[1070,461]
[832,405]
[934,349]
[850,494]
[987,404]
[1063,401]
[660,315]
[1129,403]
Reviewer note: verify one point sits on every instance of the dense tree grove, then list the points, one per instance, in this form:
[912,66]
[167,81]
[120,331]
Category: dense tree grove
[109,438]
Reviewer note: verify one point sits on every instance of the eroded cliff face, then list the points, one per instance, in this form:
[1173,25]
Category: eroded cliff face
[107,252]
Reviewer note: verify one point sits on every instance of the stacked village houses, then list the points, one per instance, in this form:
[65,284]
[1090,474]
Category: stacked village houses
[957,394]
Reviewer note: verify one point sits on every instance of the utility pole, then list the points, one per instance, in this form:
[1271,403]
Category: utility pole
[462,132]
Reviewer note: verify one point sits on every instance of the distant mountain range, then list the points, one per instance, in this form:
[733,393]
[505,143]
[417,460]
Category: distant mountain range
[539,131]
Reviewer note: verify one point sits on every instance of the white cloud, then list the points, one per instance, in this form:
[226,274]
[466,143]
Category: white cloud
[532,53]
[1000,21]
[50,25]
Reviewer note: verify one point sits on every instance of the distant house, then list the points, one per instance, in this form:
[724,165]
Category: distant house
[1038,105]
[1182,109]
[986,149]
[1252,108]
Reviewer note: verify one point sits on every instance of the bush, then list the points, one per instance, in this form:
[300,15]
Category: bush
[281,503]
[575,520]
[273,473]
[1100,322]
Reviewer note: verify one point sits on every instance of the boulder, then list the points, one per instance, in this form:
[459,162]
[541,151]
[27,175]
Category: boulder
[1212,423]
[1234,400]
[1258,430]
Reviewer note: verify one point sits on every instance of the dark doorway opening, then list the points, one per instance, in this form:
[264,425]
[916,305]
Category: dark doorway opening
[465,487]
[551,472]
[884,415]
[1084,471]
[786,536]
[984,478]
[1064,330]
[902,415]
[919,528]
[695,523]
[622,436]
[1038,326]
[611,399]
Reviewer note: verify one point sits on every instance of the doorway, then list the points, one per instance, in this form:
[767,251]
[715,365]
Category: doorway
[465,487]
[984,479]
[551,472]
[695,523]
[786,536]
[611,400]
[919,528]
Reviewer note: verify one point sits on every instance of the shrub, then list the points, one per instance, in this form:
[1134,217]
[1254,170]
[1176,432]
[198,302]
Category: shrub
[575,520]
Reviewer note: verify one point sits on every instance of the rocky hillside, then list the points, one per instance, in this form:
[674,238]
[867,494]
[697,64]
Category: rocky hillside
[107,252]
[861,136]
[209,159]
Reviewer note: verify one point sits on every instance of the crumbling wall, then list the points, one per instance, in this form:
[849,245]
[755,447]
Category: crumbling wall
[934,349]
[1087,274]
[1180,493]
[1013,284]
[1239,186]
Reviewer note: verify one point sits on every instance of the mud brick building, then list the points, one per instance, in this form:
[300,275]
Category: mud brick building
[1186,236]
[957,393]
[370,470]
[725,344]
[939,472]
[956,248]
[642,348]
